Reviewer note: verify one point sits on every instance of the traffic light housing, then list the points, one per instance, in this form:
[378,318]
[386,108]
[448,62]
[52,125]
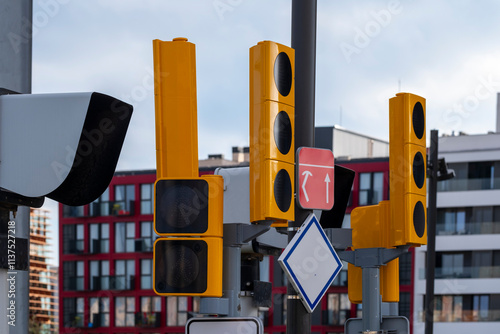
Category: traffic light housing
[188,209]
[370,229]
[272,127]
[407,163]
[188,257]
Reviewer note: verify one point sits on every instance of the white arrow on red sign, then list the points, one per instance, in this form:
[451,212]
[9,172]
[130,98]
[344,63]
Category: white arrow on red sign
[315,173]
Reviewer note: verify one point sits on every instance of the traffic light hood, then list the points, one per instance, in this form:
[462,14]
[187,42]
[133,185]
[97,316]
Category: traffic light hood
[63,146]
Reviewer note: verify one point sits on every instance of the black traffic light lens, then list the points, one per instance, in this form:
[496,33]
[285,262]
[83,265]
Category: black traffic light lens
[283,74]
[419,219]
[419,170]
[283,190]
[181,206]
[283,132]
[418,120]
[181,266]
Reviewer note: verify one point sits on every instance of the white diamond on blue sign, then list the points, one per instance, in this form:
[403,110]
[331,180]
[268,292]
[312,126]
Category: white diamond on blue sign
[310,262]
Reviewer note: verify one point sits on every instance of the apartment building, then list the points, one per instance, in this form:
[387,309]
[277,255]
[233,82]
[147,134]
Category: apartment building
[467,285]
[43,307]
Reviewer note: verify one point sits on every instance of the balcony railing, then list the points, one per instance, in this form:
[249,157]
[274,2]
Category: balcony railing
[95,321]
[98,246]
[76,247]
[469,184]
[143,245]
[73,284]
[469,228]
[73,320]
[120,282]
[73,211]
[115,208]
[459,315]
[465,272]
[148,319]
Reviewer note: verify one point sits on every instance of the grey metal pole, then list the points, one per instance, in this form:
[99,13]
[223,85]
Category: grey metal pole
[372,299]
[304,43]
[231,282]
[15,74]
[431,235]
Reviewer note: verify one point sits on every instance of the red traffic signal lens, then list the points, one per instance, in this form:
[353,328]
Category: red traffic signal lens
[283,73]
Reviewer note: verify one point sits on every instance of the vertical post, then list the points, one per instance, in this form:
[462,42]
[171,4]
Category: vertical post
[431,234]
[372,299]
[231,278]
[15,74]
[304,43]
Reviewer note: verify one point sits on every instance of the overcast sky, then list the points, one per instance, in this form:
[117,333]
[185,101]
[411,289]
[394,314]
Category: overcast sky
[367,51]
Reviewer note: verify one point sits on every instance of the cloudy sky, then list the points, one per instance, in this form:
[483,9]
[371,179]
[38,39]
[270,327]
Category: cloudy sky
[367,51]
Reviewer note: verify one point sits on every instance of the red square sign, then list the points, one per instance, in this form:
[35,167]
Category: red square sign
[315,178]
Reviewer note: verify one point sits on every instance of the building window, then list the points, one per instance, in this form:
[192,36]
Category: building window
[341,279]
[469,220]
[99,238]
[73,239]
[100,207]
[279,309]
[124,237]
[73,312]
[73,211]
[73,275]
[405,267]
[146,274]
[371,188]
[99,312]
[147,199]
[404,304]
[148,237]
[339,308]
[482,175]
[466,308]
[124,311]
[176,311]
[125,275]
[99,275]
[150,312]
[124,199]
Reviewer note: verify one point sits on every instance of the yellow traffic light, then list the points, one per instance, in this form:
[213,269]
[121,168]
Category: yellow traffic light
[407,162]
[188,209]
[370,229]
[272,127]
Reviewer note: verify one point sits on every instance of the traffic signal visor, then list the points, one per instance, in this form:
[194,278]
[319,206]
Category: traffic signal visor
[63,146]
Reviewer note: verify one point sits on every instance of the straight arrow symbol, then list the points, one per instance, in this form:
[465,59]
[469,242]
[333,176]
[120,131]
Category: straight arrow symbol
[327,181]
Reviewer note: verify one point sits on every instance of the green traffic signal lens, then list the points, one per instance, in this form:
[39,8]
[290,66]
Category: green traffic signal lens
[181,266]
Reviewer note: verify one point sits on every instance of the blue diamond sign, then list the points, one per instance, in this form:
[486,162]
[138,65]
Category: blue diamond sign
[310,262]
